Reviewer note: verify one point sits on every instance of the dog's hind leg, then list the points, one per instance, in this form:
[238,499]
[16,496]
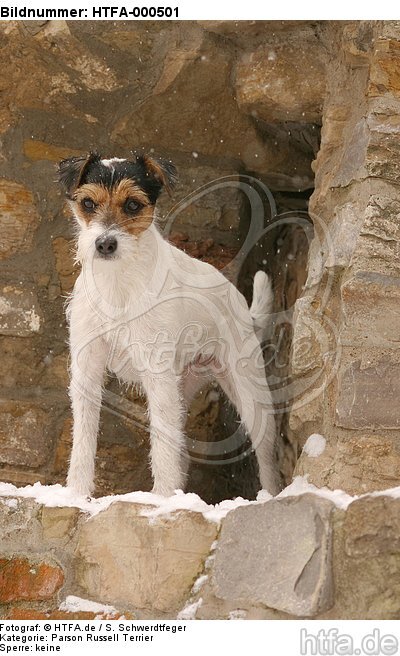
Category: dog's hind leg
[249,393]
[167,440]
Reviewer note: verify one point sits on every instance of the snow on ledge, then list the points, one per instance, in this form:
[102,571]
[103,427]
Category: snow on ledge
[74,604]
[315,445]
[55,496]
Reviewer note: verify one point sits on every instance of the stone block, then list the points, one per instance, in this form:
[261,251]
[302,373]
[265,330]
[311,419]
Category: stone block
[38,151]
[277,554]
[368,397]
[24,433]
[58,523]
[379,238]
[384,73]
[367,560]
[382,157]
[19,218]
[368,303]
[127,560]
[20,314]
[283,81]
[21,362]
[354,462]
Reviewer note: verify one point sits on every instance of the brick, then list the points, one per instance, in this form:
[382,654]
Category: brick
[21,580]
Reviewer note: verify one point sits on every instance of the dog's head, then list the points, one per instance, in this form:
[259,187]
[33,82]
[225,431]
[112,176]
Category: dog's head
[113,200]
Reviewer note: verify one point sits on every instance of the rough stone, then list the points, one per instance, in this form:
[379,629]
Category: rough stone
[20,314]
[383,146]
[378,241]
[210,125]
[58,523]
[55,371]
[67,270]
[19,524]
[24,433]
[384,75]
[271,85]
[19,218]
[253,33]
[20,361]
[200,211]
[273,569]
[222,257]
[367,397]
[355,208]
[354,462]
[21,579]
[130,561]
[311,340]
[366,557]
[37,151]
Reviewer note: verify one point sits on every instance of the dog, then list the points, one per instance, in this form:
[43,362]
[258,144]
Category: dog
[156,318]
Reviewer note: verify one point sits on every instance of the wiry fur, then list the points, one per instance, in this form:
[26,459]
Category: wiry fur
[156,317]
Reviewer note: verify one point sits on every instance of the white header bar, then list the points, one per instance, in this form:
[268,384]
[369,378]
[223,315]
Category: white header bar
[192,10]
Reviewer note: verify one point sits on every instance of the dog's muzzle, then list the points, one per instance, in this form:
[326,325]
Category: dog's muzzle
[106,245]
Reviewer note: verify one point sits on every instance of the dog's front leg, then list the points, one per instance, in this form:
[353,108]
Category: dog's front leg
[87,368]
[167,439]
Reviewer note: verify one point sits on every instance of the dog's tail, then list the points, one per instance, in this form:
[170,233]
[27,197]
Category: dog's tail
[262,304]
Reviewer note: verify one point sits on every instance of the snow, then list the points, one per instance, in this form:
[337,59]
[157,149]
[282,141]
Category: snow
[237,614]
[58,496]
[10,503]
[314,446]
[189,612]
[156,506]
[300,485]
[198,584]
[77,604]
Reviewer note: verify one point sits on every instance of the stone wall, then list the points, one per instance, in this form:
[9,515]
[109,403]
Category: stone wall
[342,564]
[348,314]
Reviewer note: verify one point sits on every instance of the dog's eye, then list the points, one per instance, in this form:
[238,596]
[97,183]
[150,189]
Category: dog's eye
[131,206]
[88,204]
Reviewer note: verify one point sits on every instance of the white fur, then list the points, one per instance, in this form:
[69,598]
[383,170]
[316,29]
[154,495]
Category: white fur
[156,317]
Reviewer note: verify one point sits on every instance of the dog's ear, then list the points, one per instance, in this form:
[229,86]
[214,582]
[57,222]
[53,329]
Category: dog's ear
[163,170]
[72,170]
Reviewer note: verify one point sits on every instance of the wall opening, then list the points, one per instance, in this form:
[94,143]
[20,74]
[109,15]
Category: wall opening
[282,252]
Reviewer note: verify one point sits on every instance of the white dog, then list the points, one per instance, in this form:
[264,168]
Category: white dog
[156,318]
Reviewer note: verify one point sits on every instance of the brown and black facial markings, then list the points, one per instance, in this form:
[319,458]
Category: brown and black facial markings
[119,192]
[124,205]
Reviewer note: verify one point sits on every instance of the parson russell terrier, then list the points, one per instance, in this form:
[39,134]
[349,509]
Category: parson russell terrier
[156,318]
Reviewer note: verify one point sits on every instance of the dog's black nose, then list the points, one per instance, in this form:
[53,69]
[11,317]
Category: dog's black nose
[106,245]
